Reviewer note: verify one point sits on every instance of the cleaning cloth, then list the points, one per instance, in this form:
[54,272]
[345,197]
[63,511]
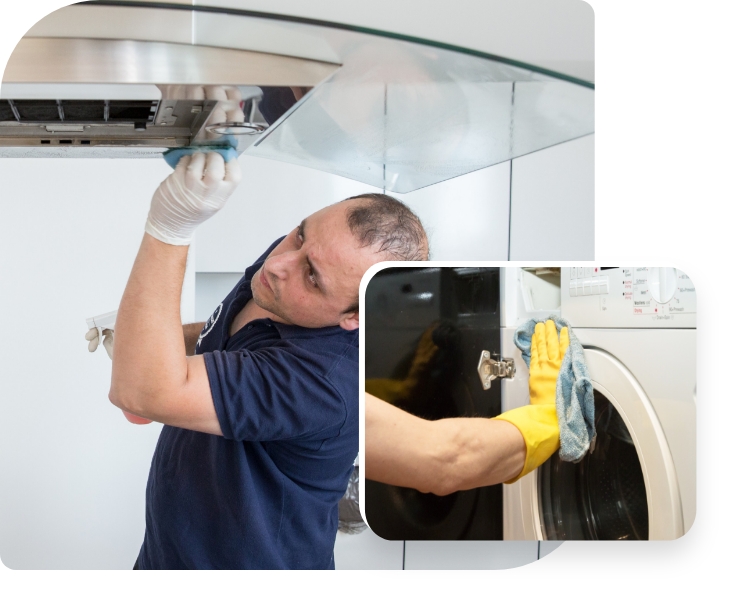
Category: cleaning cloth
[225,147]
[574,392]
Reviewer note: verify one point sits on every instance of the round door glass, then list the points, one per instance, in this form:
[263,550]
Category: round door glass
[603,496]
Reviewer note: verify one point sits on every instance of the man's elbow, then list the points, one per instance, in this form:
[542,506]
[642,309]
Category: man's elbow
[443,488]
[129,400]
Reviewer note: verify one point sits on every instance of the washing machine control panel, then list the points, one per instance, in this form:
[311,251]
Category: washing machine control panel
[614,297]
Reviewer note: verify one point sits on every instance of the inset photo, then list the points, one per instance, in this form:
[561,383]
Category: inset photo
[529,403]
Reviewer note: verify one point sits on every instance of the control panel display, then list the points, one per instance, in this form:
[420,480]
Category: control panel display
[628,296]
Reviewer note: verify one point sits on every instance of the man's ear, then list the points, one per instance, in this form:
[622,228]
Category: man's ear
[349,321]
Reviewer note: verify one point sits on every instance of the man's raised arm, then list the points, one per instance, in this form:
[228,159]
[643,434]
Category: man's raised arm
[151,375]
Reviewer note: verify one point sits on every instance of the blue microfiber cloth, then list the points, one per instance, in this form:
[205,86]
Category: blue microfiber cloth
[225,147]
[574,392]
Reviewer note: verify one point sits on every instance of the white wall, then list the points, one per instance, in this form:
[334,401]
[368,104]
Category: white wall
[72,470]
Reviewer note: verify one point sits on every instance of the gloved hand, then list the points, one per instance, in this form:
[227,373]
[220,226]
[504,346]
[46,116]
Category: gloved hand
[197,188]
[538,422]
[92,336]
[547,351]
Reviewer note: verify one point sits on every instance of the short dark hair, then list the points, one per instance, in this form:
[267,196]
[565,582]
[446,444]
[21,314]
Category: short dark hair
[382,221]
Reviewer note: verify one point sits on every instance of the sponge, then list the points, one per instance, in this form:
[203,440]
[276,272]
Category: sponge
[226,148]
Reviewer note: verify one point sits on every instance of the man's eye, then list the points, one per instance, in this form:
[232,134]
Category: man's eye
[311,278]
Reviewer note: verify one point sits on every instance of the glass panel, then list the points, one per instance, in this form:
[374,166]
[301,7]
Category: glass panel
[603,497]
[414,116]
[425,329]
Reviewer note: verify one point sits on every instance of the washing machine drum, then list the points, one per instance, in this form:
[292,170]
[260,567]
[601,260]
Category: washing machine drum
[603,496]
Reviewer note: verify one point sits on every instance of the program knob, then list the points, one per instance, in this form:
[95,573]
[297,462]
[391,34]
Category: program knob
[663,282]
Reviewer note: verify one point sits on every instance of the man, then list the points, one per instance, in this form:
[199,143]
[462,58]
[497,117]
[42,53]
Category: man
[262,415]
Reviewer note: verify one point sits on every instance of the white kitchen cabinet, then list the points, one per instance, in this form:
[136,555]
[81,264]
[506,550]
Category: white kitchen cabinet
[552,203]
[546,547]
[73,471]
[473,555]
[466,217]
[366,551]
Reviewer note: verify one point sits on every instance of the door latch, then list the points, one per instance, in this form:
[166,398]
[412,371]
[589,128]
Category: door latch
[492,367]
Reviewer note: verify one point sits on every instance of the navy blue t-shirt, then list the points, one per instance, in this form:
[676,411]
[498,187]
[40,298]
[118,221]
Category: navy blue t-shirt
[265,495]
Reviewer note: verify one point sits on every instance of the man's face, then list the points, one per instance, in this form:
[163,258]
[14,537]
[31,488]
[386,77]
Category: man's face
[312,277]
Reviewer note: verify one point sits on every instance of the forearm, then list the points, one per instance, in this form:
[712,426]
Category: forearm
[149,348]
[477,452]
[191,332]
[440,457]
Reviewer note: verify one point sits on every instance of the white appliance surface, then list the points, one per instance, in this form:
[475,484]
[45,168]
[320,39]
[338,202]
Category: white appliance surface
[643,362]
[636,297]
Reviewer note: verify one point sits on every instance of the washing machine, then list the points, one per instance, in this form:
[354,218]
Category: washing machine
[638,329]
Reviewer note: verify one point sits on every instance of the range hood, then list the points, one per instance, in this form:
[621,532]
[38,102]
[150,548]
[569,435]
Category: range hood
[80,97]
[146,122]
[393,114]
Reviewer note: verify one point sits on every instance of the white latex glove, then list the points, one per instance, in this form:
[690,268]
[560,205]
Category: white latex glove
[93,336]
[197,188]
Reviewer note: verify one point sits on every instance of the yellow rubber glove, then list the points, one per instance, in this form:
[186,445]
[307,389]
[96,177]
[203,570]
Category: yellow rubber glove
[538,422]
[546,355]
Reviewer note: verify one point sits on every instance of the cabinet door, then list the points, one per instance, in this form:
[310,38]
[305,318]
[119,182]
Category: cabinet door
[552,203]
[425,331]
[466,218]
[366,551]
[461,555]
[73,469]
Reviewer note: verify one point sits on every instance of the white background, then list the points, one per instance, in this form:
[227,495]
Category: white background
[662,125]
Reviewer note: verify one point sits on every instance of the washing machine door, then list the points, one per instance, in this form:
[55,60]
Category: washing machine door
[627,488]
[424,332]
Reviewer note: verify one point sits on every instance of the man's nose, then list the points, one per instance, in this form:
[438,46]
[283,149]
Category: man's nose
[282,265]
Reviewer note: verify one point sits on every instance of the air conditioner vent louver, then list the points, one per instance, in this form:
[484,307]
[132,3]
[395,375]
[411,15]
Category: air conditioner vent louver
[94,111]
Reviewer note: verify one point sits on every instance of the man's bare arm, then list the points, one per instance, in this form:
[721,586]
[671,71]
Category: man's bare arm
[151,375]
[439,457]
[191,332]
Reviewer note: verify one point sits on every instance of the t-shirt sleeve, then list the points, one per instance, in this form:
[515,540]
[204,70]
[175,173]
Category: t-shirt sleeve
[273,394]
